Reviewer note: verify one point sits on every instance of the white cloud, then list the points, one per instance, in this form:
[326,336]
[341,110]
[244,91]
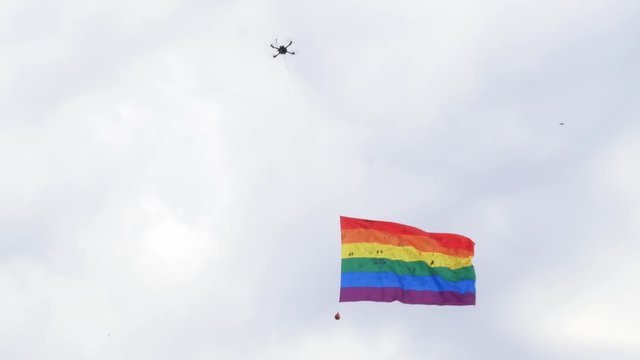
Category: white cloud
[169,190]
[587,302]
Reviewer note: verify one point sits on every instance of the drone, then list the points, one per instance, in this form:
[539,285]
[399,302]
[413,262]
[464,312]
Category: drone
[282,50]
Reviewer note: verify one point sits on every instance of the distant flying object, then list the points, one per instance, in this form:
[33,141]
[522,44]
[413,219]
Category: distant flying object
[282,50]
[561,123]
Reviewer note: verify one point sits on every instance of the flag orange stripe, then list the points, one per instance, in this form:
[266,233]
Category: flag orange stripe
[419,242]
[451,241]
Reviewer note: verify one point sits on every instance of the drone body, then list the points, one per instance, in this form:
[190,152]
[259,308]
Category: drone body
[282,49]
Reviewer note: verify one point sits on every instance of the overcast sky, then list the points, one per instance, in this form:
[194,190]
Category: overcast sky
[168,190]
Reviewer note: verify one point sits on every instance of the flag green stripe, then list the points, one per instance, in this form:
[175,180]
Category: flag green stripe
[400,267]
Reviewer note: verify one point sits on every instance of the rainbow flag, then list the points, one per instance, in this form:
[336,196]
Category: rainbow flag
[385,261]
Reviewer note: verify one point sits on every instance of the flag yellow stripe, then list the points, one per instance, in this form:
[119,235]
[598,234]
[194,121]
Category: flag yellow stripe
[403,253]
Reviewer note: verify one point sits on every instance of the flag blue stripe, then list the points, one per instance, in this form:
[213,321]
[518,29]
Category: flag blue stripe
[405,282]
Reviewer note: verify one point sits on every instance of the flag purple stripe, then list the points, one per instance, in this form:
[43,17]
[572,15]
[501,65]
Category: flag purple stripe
[389,294]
